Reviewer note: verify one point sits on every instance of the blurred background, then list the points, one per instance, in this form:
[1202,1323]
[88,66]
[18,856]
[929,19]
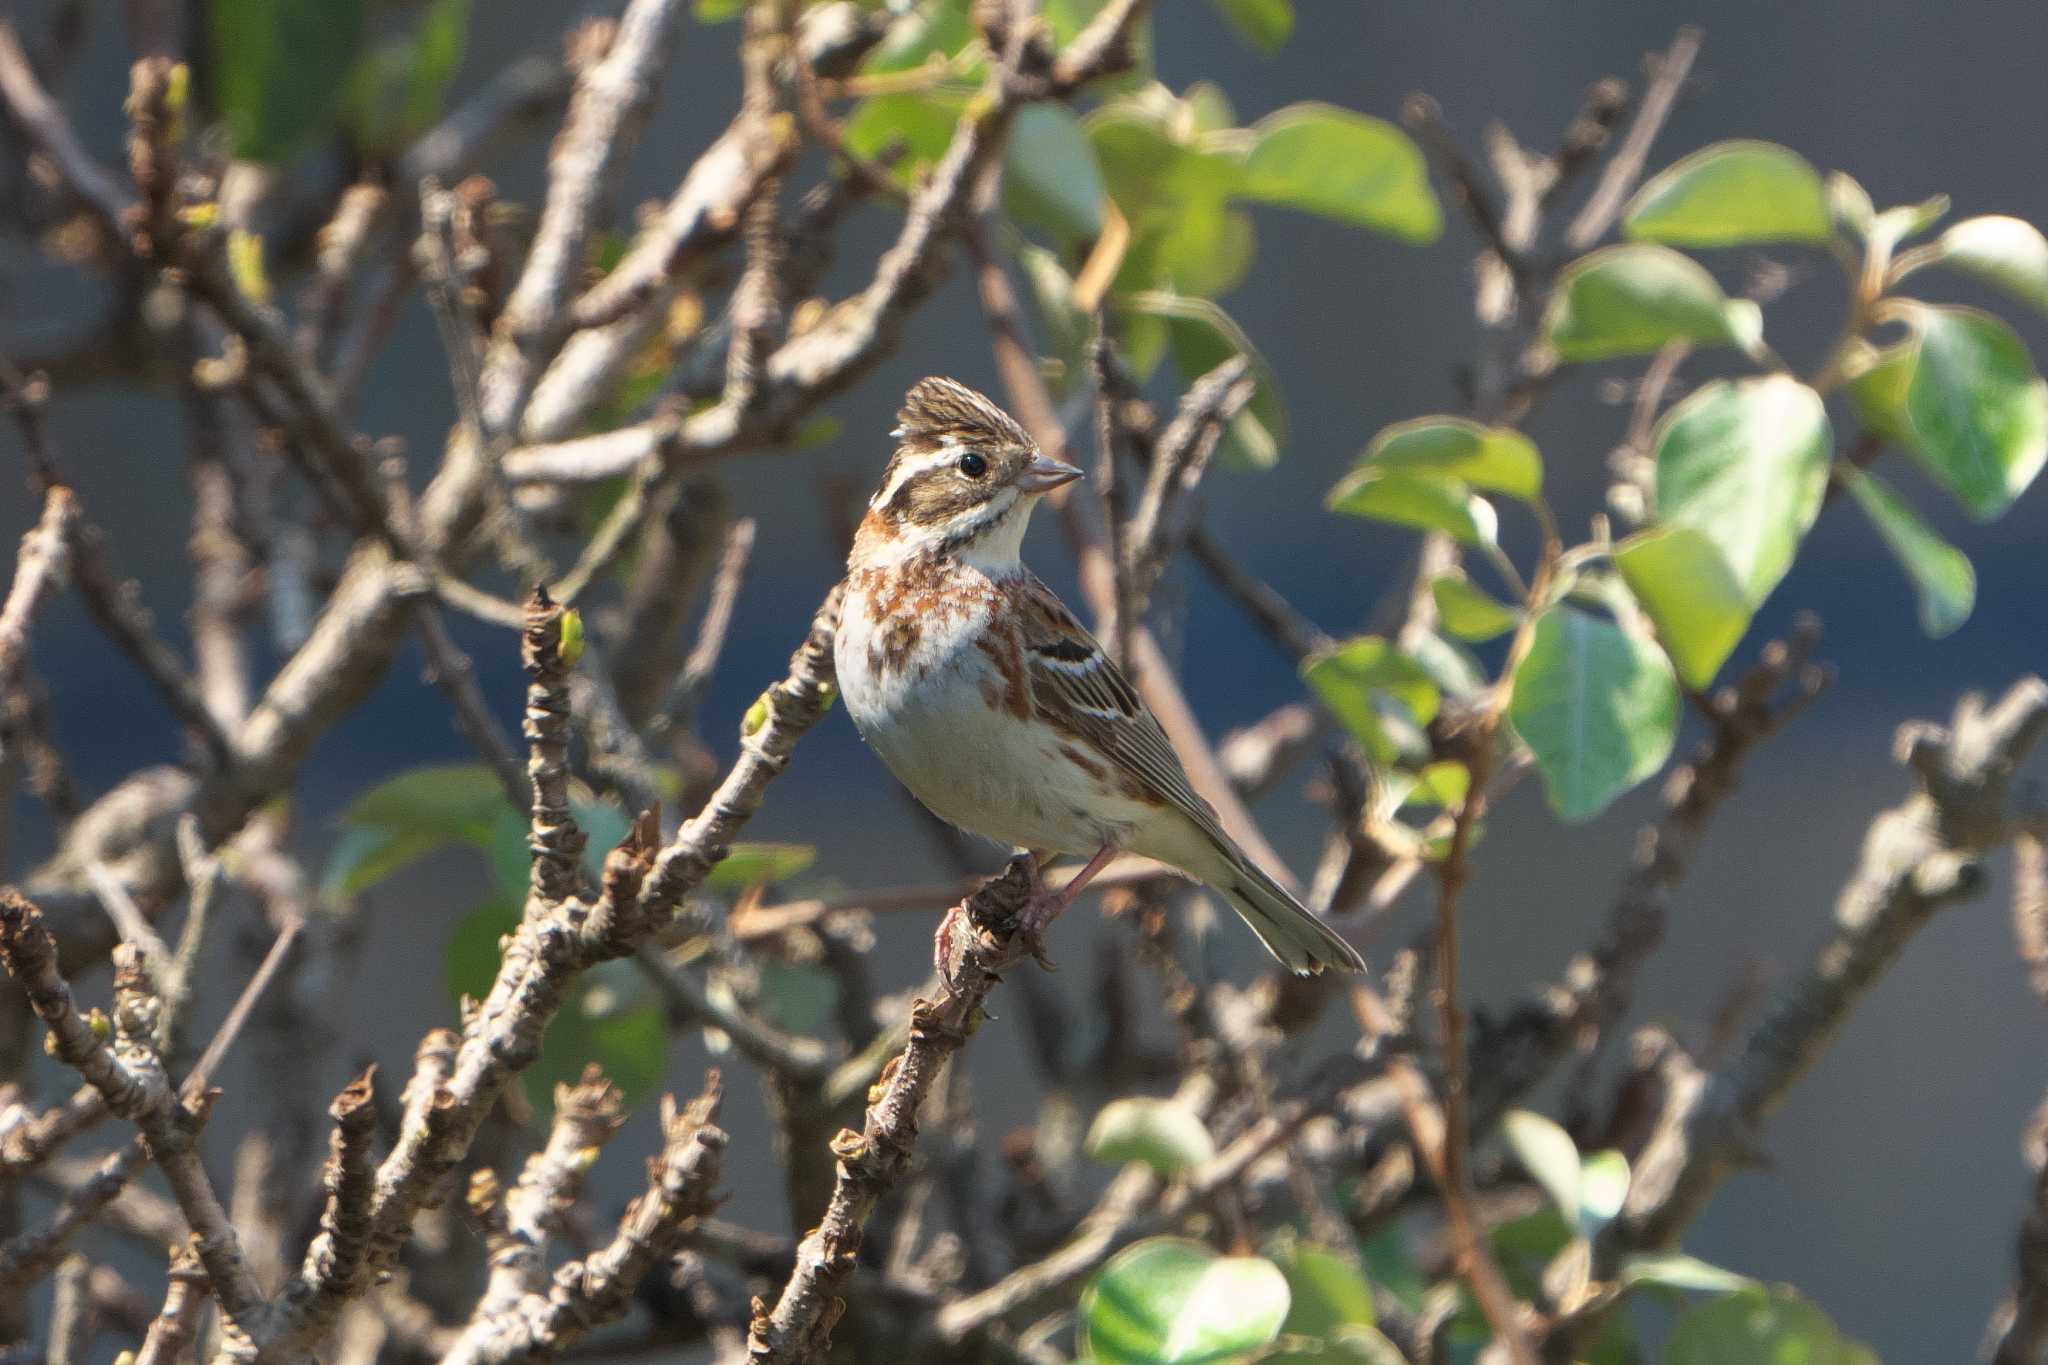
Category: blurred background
[1894,1182]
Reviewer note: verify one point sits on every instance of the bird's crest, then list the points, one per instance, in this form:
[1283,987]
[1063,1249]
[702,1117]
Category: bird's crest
[938,412]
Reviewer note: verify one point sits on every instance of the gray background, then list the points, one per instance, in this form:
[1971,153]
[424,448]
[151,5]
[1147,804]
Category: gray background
[1895,1182]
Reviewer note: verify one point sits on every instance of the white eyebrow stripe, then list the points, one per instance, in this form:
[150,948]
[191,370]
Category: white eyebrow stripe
[915,465]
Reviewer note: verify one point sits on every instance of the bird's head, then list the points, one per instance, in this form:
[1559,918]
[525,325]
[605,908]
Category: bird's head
[962,482]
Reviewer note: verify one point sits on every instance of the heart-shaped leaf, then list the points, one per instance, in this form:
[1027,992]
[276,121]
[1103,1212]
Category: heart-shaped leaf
[1942,577]
[1169,1137]
[1977,411]
[1683,583]
[1169,1301]
[1637,298]
[1746,465]
[1731,194]
[1329,161]
[1597,706]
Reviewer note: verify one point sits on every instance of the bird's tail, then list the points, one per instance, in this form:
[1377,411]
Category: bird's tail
[1290,930]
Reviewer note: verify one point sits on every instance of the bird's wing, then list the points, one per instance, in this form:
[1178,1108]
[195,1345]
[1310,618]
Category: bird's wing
[1077,690]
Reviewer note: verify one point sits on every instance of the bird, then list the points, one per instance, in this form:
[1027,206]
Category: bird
[989,700]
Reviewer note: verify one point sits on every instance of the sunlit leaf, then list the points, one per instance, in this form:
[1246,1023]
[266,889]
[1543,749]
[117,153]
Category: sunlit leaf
[1731,194]
[1202,336]
[1427,502]
[1467,612]
[1636,298]
[1442,784]
[1358,680]
[279,68]
[1676,1270]
[1746,465]
[1264,24]
[921,122]
[1685,586]
[2008,252]
[1877,390]
[757,864]
[1977,410]
[1497,458]
[1943,580]
[1164,1134]
[1597,707]
[1548,1154]
[1345,1346]
[1603,1187]
[1329,161]
[1168,1301]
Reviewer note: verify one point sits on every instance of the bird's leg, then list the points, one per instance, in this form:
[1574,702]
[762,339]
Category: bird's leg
[1046,905]
[942,939]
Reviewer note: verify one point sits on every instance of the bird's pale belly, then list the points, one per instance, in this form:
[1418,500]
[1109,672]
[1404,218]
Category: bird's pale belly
[981,767]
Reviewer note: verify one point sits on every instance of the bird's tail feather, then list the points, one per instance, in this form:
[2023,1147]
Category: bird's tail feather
[1290,930]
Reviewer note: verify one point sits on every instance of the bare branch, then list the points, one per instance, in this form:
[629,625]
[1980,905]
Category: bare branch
[1920,856]
[1625,168]
[597,1289]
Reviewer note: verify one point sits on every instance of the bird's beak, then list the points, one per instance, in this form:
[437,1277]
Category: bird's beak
[1044,474]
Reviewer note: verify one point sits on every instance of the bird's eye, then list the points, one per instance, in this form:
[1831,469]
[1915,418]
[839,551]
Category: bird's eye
[973,465]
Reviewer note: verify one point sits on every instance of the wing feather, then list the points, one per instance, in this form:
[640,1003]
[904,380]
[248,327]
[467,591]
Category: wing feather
[1080,691]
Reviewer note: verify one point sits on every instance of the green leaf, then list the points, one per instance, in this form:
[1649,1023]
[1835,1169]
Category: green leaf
[1877,390]
[1376,691]
[1425,501]
[471,957]
[1202,336]
[279,69]
[1049,177]
[1320,159]
[1345,1346]
[1497,458]
[456,802]
[1442,784]
[922,121]
[1548,1154]
[1756,1327]
[1977,411]
[1636,298]
[1746,465]
[1265,24]
[2007,252]
[1942,577]
[718,11]
[1467,612]
[1065,328]
[1684,584]
[1167,1136]
[363,857]
[1603,1187]
[1169,1301]
[757,864]
[1596,706]
[1676,1270]
[1326,1291]
[437,55]
[1734,193]
[630,1045]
